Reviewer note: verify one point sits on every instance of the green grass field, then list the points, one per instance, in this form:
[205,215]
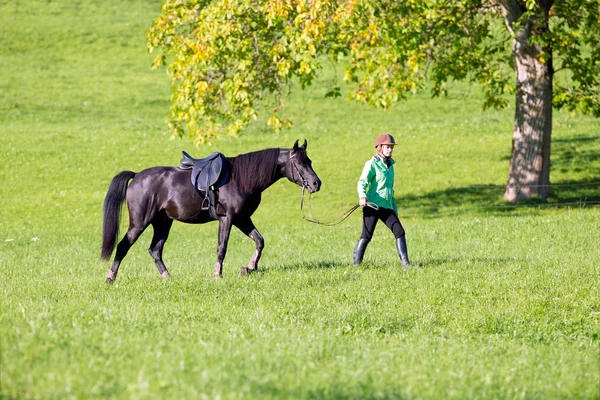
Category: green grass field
[505,305]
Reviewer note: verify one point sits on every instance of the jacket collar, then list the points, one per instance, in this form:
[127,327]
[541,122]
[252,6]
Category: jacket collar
[391,160]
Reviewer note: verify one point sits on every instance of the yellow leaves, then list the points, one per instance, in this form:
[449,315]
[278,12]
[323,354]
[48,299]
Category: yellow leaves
[531,4]
[159,61]
[312,30]
[243,64]
[431,14]
[203,136]
[229,55]
[414,62]
[277,8]
[351,4]
[304,67]
[301,7]
[201,87]
[412,85]
[341,13]
[235,128]
[183,116]
[277,123]
[201,52]
[359,94]
[373,33]
[241,95]
[283,68]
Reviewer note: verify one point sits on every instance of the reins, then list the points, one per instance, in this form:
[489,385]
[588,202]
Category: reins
[310,218]
[333,222]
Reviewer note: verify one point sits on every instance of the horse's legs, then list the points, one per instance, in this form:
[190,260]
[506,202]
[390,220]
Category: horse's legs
[224,231]
[133,233]
[161,227]
[248,228]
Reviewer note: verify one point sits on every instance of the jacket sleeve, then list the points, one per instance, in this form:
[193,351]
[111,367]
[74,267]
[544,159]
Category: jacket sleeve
[365,178]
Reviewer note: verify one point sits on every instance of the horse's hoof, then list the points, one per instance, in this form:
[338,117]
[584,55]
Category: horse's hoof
[244,271]
[217,276]
[165,275]
[110,277]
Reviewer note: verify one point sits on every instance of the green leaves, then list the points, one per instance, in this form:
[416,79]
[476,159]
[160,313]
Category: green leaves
[575,39]
[335,92]
[231,59]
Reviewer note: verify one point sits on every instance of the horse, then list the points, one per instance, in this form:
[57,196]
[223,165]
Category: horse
[159,195]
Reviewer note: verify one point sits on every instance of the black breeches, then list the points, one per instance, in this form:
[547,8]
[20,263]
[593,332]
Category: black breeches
[389,218]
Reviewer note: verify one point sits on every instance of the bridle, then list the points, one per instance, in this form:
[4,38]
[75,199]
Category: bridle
[295,167]
[310,218]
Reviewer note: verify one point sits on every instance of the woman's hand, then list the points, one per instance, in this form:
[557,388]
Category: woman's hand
[363,201]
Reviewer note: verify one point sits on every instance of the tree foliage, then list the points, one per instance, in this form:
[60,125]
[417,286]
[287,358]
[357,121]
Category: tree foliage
[231,59]
[575,40]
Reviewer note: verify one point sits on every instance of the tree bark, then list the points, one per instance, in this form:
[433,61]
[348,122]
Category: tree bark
[529,172]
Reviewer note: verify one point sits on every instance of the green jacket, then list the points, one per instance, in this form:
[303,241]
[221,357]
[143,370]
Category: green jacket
[376,183]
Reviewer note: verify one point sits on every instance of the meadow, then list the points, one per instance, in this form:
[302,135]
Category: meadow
[506,303]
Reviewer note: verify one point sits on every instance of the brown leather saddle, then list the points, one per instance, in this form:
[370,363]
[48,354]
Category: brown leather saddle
[208,175]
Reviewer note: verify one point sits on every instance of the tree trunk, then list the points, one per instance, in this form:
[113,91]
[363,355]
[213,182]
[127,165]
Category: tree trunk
[529,173]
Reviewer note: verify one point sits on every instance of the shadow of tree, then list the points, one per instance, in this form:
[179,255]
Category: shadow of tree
[577,139]
[488,199]
[577,156]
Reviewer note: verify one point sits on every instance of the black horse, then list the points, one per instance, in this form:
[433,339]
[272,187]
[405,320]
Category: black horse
[159,195]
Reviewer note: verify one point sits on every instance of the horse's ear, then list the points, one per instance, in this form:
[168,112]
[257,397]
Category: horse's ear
[295,146]
[304,145]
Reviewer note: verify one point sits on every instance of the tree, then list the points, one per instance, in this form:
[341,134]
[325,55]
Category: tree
[230,57]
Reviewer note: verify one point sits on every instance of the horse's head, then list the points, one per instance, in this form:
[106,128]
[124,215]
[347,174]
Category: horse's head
[299,169]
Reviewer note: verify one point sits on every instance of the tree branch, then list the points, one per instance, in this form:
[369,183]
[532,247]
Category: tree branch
[512,11]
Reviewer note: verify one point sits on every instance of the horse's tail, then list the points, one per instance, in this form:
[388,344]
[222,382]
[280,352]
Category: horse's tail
[112,212]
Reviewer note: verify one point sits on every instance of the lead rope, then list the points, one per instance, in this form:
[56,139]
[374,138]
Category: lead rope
[333,222]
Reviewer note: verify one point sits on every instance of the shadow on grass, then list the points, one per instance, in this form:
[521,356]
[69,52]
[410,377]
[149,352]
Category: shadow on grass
[488,200]
[488,261]
[571,156]
[421,263]
[323,264]
[333,391]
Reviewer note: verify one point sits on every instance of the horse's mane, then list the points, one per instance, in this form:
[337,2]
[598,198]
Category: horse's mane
[255,169]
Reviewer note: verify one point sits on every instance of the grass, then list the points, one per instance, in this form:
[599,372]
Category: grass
[505,305]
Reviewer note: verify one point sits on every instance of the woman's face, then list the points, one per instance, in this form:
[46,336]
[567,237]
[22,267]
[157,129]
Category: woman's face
[386,150]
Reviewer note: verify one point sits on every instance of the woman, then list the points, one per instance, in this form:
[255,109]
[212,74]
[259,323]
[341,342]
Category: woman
[376,187]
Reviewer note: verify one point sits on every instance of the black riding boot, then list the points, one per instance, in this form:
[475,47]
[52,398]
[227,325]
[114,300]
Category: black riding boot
[403,251]
[359,250]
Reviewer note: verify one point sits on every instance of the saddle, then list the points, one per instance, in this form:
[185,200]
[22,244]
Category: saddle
[208,175]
